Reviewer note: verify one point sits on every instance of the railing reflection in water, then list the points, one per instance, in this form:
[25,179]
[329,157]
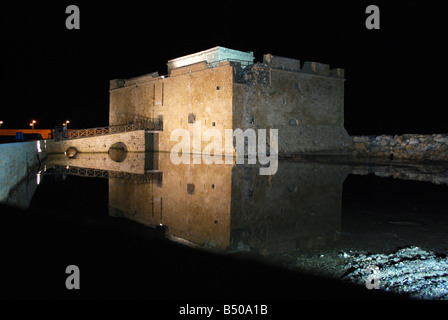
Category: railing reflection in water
[223,207]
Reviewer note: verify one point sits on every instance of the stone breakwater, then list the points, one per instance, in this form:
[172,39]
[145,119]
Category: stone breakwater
[417,147]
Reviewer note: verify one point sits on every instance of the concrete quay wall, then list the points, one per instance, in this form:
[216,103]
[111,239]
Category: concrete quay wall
[17,161]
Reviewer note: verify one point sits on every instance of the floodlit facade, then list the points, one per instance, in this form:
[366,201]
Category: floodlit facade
[224,89]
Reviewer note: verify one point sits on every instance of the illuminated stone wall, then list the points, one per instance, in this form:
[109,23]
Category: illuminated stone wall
[305,103]
[195,90]
[134,141]
[17,161]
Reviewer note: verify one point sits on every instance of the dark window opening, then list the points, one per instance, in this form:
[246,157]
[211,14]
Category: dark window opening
[191,118]
[213,124]
[217,88]
[190,188]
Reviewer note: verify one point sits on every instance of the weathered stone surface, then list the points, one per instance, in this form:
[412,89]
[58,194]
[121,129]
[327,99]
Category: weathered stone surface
[360,146]
[134,142]
[407,146]
[16,162]
[305,104]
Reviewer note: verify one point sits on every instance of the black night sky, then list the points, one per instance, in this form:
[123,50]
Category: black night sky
[395,75]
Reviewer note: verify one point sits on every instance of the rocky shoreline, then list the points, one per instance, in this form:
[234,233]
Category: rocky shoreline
[415,147]
[412,272]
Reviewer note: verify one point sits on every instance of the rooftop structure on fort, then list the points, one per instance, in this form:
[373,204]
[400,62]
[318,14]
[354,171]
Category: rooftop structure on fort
[224,89]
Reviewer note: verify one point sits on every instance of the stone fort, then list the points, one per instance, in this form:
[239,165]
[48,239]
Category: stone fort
[224,89]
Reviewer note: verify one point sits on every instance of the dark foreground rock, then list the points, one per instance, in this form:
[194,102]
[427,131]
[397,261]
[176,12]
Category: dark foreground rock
[417,147]
[416,272]
[411,272]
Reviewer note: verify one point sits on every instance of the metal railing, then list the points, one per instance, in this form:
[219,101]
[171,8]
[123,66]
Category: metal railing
[147,177]
[213,64]
[147,124]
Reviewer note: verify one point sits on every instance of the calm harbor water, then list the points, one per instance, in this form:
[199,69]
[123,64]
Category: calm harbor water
[138,226]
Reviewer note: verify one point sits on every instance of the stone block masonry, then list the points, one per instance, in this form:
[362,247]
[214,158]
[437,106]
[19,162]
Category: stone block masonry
[133,141]
[224,89]
[415,147]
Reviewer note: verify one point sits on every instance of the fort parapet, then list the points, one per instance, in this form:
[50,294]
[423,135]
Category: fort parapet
[224,89]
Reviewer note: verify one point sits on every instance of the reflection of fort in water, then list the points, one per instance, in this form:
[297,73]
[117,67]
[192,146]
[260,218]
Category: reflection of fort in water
[225,207]
[233,207]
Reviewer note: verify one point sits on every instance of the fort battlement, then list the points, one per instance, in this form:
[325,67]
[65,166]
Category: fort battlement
[224,89]
[289,64]
[242,61]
